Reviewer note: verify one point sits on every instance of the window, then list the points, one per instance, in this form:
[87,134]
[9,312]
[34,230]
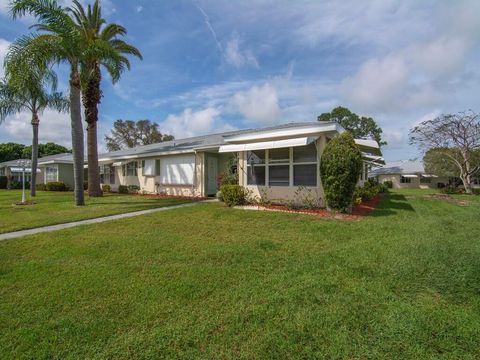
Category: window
[148,167]
[256,167]
[157,167]
[111,170]
[102,174]
[425,180]
[131,169]
[405,180]
[305,165]
[51,174]
[279,167]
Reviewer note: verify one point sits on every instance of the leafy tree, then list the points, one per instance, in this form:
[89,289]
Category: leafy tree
[11,151]
[340,169]
[56,40]
[45,150]
[361,127]
[129,133]
[102,48]
[26,88]
[451,142]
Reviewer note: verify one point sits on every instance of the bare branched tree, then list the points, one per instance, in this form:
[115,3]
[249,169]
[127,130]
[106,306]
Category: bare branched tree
[456,137]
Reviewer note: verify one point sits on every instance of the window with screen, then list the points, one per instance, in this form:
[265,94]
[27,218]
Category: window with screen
[51,174]
[305,165]
[256,167]
[279,167]
[405,180]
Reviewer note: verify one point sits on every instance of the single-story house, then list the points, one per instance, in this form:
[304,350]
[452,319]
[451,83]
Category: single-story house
[13,170]
[272,162]
[57,168]
[277,162]
[411,174]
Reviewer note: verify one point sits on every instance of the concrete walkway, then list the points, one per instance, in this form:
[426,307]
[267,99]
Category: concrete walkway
[16,234]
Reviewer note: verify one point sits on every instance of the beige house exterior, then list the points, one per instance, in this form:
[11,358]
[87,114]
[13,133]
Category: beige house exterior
[281,163]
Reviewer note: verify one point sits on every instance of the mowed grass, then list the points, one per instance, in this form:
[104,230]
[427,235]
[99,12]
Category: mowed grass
[216,283]
[51,208]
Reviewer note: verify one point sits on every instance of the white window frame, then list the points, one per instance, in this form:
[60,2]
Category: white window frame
[46,173]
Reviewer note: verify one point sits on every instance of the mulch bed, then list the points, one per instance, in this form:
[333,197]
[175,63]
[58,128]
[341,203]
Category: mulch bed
[159,196]
[359,211]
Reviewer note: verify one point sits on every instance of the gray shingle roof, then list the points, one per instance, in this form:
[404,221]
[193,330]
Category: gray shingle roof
[12,163]
[402,167]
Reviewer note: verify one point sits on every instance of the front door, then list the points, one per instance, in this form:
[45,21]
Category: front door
[212,172]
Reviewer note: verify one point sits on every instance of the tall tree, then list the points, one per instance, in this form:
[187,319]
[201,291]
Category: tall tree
[360,127]
[26,89]
[57,40]
[11,151]
[456,137]
[47,149]
[102,49]
[128,134]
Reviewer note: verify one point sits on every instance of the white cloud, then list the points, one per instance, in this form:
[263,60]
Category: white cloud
[191,123]
[259,103]
[54,127]
[237,58]
[4,44]
[139,8]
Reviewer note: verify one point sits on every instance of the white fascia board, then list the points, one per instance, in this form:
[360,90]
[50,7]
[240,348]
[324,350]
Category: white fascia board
[369,146]
[410,176]
[284,133]
[278,144]
[146,156]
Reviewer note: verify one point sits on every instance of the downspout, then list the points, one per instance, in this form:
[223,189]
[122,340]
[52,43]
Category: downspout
[194,174]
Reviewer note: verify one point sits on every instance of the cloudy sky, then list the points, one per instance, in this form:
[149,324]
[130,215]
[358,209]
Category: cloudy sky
[212,66]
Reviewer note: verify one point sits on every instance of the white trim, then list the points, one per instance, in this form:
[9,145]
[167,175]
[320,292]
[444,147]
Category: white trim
[410,176]
[278,144]
[257,135]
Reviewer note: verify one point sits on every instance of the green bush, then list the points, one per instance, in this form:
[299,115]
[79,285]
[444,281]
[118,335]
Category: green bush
[106,188]
[41,187]
[123,189]
[369,190]
[219,195]
[56,186]
[3,182]
[133,189]
[340,169]
[15,185]
[233,195]
[388,184]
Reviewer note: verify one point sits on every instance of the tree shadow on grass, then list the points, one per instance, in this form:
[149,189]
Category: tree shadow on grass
[391,205]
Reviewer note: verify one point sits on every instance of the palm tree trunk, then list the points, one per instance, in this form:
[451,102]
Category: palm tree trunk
[33,174]
[91,99]
[77,135]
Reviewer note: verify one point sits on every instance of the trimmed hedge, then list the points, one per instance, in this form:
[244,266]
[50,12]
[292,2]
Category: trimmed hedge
[17,185]
[123,189]
[340,170]
[106,188]
[388,184]
[56,186]
[3,182]
[41,187]
[233,195]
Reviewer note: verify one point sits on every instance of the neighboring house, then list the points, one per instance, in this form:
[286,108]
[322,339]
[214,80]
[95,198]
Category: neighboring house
[57,168]
[273,162]
[411,174]
[14,172]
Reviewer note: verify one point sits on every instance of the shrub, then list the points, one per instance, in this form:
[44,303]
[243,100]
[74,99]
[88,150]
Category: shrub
[56,186]
[18,185]
[388,184]
[123,189]
[133,189]
[368,191]
[452,190]
[340,169]
[41,187]
[106,188]
[219,195]
[3,182]
[233,194]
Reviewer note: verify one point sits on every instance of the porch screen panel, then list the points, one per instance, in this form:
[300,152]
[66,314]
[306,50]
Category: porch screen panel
[177,170]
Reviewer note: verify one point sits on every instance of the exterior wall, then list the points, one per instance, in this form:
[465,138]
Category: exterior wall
[152,185]
[285,193]
[65,174]
[414,184]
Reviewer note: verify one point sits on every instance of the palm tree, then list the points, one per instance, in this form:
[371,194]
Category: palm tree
[26,90]
[57,40]
[101,48]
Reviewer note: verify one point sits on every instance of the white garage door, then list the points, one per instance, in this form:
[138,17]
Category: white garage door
[177,170]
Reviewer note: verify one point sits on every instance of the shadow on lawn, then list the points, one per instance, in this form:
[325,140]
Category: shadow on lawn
[391,205]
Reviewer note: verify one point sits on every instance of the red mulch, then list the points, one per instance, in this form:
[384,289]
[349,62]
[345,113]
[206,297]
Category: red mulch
[158,196]
[359,211]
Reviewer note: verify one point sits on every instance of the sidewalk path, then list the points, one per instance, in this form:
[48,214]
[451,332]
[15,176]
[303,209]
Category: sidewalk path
[20,233]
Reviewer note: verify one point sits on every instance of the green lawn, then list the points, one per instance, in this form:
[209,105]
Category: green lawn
[58,207]
[216,283]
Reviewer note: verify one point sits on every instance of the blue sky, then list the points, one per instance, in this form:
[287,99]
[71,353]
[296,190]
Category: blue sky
[212,66]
